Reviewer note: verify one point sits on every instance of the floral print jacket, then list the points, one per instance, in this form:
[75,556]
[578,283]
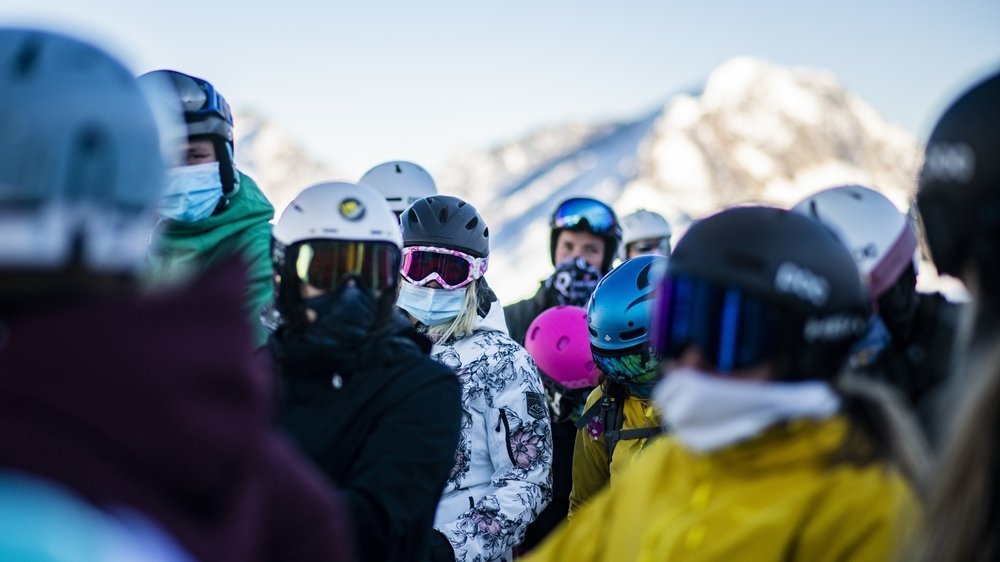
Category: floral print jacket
[502,474]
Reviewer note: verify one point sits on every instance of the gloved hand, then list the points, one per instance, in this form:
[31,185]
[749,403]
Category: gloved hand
[573,281]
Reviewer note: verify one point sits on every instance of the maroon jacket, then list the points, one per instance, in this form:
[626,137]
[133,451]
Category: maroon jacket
[159,404]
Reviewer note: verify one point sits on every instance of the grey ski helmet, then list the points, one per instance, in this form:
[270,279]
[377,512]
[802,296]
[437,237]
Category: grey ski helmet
[81,168]
[444,221]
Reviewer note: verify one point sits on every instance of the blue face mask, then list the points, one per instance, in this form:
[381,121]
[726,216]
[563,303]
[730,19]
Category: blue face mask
[192,192]
[431,306]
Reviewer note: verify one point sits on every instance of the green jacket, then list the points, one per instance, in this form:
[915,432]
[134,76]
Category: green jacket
[182,250]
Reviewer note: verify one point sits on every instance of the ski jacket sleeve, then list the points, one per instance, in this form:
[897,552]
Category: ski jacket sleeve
[519,437]
[591,469]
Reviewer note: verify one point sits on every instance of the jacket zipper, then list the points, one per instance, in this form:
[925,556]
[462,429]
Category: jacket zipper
[506,427]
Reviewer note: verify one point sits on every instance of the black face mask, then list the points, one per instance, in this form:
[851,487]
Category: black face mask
[336,339]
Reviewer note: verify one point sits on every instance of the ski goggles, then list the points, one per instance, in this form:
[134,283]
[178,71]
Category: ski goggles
[633,365]
[450,268]
[326,264]
[573,213]
[658,246]
[204,101]
[731,329]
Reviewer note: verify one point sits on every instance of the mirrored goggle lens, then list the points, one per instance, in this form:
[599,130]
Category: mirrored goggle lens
[573,212]
[732,330]
[631,366]
[325,264]
[420,266]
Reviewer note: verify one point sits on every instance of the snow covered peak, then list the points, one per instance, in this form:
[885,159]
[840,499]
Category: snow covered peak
[280,165]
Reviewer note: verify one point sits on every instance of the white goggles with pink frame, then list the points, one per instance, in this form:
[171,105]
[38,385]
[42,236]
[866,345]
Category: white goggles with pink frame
[452,269]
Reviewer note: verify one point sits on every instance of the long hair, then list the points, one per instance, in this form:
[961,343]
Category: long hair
[880,429]
[466,321]
[962,521]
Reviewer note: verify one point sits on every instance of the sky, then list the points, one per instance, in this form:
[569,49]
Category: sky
[363,82]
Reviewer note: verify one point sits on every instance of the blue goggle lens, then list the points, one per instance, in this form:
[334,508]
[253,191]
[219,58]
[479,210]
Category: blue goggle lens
[572,213]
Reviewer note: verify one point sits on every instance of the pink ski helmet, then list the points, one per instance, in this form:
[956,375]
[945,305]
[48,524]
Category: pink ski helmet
[559,343]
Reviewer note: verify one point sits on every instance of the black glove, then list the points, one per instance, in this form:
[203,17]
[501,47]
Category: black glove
[573,281]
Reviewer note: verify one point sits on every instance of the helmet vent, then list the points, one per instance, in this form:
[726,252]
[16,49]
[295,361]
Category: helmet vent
[443,215]
[486,233]
[562,343]
[27,58]
[412,217]
[472,223]
[633,334]
[398,169]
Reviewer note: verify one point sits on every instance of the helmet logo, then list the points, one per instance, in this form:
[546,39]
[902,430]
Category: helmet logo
[352,209]
[950,162]
[802,283]
[607,337]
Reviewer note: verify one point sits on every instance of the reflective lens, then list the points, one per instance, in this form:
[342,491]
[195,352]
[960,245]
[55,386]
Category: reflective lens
[572,213]
[450,268]
[634,365]
[325,264]
[732,330]
[658,246]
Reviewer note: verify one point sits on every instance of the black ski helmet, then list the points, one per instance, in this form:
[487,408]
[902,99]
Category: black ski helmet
[206,114]
[959,191]
[584,214]
[759,283]
[444,221]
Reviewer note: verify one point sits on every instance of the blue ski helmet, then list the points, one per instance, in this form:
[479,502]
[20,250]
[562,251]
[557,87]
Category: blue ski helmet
[618,321]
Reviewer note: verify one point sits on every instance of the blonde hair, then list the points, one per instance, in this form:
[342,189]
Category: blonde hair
[463,324]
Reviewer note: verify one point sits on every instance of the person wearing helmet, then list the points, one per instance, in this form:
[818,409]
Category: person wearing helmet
[400,182]
[211,211]
[557,341]
[359,382]
[768,457]
[153,407]
[501,478]
[908,343]
[645,232]
[959,201]
[619,418]
[583,243]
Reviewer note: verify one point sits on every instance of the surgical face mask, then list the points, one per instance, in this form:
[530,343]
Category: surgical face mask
[431,306]
[192,192]
[707,412]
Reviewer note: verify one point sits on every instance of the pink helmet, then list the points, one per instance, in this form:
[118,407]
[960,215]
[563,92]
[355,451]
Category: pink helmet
[559,343]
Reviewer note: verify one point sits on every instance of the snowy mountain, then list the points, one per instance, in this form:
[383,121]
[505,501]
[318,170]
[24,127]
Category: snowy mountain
[280,166]
[758,132]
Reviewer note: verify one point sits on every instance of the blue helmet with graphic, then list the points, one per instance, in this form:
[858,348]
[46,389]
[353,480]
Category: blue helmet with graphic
[618,321]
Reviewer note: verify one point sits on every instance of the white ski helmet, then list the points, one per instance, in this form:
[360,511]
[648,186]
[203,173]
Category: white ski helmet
[400,182]
[879,236]
[338,211]
[643,225]
[330,231]
[81,168]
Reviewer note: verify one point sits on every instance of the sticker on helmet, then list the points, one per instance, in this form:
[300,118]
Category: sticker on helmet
[352,209]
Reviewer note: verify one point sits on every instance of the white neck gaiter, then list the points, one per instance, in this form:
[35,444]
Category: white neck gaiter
[708,412]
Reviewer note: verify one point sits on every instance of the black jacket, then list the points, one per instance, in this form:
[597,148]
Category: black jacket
[521,314]
[381,419]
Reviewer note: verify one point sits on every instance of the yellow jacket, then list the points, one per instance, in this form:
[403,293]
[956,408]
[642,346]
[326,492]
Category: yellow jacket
[773,498]
[590,458]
